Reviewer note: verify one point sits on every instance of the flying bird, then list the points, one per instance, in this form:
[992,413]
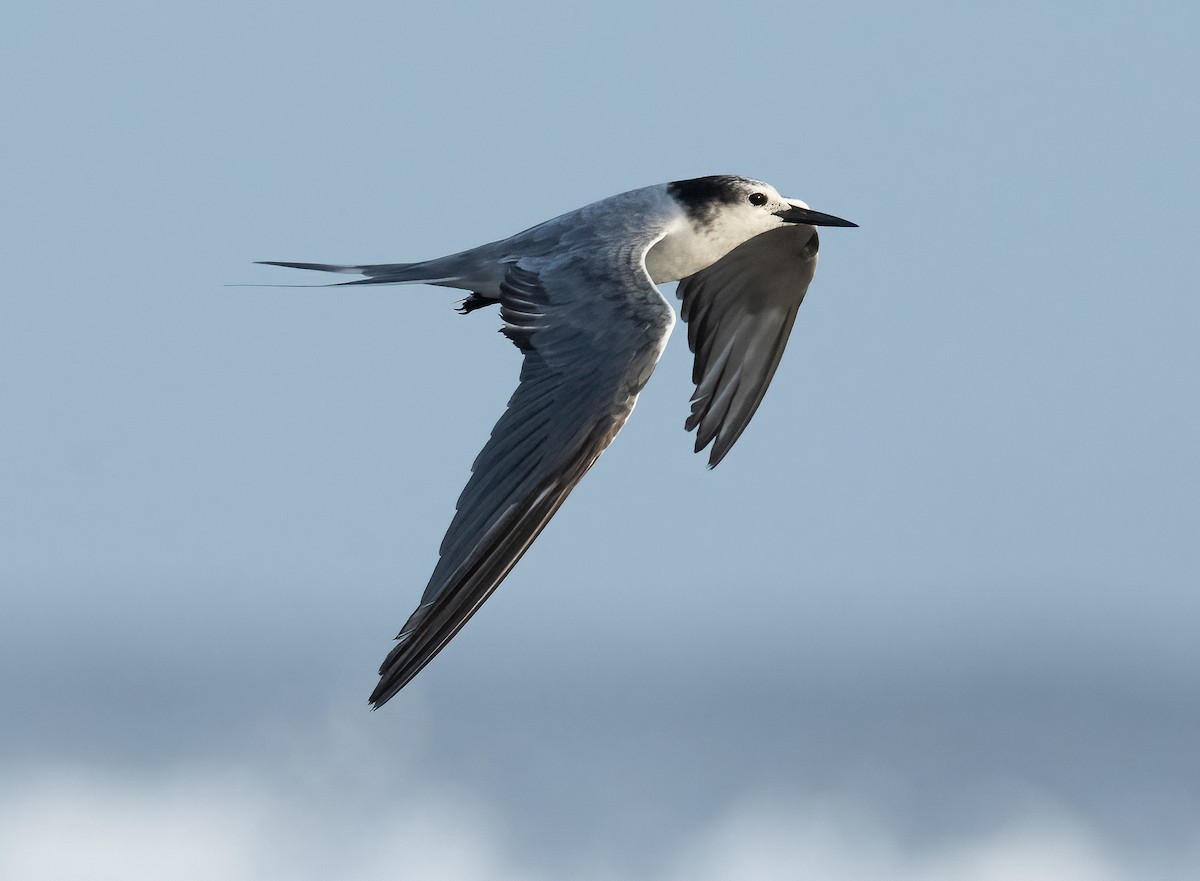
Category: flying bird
[578,296]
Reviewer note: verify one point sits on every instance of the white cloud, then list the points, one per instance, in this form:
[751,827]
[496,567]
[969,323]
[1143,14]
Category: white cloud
[68,826]
[347,801]
[73,826]
[77,826]
[828,841]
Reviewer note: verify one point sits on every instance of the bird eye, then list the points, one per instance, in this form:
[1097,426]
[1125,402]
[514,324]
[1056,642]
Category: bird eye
[758,198]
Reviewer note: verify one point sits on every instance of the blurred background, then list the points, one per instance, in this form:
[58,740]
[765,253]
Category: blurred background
[934,617]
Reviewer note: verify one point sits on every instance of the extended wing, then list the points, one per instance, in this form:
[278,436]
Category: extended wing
[591,335]
[739,312]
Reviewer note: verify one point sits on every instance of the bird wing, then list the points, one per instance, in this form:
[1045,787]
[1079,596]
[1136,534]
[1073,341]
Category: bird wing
[591,335]
[739,312]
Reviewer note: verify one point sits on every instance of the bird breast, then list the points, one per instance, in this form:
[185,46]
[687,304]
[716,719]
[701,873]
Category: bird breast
[685,250]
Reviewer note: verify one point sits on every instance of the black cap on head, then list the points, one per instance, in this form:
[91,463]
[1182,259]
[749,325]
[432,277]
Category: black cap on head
[699,196]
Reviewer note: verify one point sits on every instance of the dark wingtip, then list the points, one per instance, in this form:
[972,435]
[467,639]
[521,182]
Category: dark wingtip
[381,695]
[389,683]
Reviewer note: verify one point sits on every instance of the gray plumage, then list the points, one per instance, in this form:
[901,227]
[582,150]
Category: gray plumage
[578,297]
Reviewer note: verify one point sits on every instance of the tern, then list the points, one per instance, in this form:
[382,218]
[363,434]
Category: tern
[578,296]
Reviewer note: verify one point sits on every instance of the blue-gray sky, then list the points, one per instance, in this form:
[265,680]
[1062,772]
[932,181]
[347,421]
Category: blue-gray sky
[933,618]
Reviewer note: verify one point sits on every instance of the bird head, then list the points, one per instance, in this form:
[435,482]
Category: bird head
[739,208]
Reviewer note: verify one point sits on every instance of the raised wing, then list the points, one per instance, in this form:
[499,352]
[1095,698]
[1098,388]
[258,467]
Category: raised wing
[739,312]
[591,336]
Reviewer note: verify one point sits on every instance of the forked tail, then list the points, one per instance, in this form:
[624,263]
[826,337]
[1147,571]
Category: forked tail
[427,271]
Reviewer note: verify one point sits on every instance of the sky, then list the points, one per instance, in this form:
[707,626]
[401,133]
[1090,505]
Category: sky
[933,618]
